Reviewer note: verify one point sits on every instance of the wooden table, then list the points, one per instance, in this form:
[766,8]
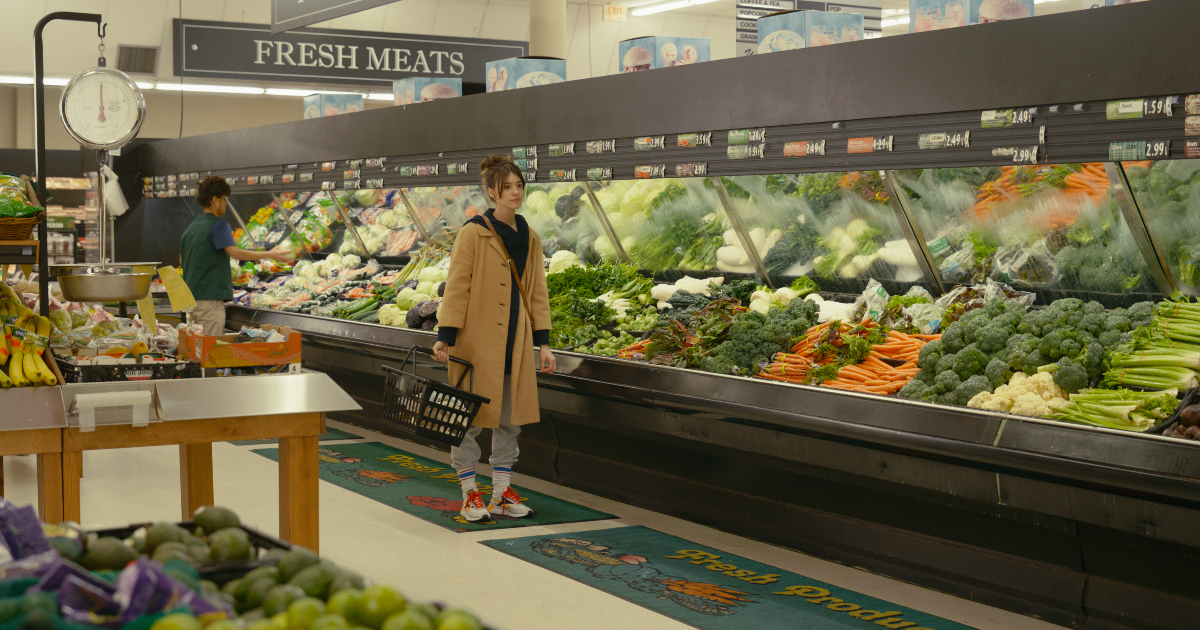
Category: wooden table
[31,423]
[298,467]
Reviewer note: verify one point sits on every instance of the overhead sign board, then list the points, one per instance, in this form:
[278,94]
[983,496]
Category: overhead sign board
[289,14]
[227,50]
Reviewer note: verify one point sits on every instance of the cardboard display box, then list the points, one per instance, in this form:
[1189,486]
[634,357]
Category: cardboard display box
[647,53]
[522,72]
[934,15]
[322,105]
[789,30]
[219,351]
[78,366]
[425,89]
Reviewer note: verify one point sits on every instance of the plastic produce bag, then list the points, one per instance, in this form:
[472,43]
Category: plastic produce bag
[1032,266]
[927,317]
[871,303]
[957,266]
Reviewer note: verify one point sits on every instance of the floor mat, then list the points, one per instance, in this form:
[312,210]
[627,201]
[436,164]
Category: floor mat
[707,588]
[428,489]
[329,435]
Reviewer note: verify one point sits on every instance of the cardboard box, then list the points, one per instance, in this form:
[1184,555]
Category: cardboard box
[205,349]
[647,53]
[935,15]
[789,30]
[522,72]
[322,105]
[424,89]
[78,365]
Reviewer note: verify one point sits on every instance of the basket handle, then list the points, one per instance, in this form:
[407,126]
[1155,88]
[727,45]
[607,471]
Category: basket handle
[469,371]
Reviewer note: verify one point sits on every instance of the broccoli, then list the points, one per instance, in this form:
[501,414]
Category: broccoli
[1092,359]
[1067,304]
[997,372]
[948,398]
[1119,322]
[946,363]
[1141,314]
[953,337]
[992,337]
[917,389]
[946,381]
[1092,323]
[930,354]
[970,361]
[1068,375]
[926,376]
[1109,338]
[754,338]
[1060,343]
[970,387]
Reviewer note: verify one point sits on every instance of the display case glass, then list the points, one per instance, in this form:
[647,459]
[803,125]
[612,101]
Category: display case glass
[1168,195]
[1056,230]
[563,216]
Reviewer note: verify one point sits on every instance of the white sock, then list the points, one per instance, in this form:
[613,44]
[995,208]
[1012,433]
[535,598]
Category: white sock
[466,477]
[501,479]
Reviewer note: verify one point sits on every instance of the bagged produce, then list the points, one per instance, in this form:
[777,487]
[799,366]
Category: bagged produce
[1029,266]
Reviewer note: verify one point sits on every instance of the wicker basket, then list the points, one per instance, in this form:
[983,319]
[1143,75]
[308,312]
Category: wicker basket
[19,228]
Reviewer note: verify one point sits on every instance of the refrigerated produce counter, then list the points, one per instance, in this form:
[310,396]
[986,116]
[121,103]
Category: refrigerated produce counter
[910,176]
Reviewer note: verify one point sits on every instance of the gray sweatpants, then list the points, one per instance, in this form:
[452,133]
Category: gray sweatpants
[504,438]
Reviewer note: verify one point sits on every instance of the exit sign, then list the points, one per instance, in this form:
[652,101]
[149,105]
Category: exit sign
[613,13]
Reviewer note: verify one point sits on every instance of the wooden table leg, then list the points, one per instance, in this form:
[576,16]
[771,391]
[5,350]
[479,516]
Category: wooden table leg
[195,477]
[72,471]
[50,488]
[298,488]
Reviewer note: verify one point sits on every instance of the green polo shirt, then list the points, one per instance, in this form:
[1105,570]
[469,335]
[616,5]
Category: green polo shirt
[205,263]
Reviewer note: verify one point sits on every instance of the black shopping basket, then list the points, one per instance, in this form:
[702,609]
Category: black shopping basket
[428,408]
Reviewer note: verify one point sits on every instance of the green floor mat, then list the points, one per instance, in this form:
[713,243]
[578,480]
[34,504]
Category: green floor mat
[428,489]
[707,588]
[329,435]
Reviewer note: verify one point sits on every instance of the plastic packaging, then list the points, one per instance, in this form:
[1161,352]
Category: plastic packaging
[1030,266]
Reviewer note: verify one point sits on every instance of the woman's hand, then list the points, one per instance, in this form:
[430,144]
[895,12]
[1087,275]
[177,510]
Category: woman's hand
[548,360]
[441,352]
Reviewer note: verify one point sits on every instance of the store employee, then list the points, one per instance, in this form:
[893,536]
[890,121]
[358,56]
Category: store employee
[206,247]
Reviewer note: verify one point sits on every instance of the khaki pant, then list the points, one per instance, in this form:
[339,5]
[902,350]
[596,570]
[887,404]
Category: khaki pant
[210,314]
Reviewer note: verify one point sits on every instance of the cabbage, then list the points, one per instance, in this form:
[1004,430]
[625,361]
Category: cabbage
[562,260]
[432,274]
[538,202]
[366,198]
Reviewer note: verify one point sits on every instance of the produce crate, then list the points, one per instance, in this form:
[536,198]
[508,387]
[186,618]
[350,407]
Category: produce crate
[219,351]
[108,373]
[218,572]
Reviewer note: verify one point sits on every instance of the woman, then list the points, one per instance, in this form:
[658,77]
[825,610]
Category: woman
[481,299]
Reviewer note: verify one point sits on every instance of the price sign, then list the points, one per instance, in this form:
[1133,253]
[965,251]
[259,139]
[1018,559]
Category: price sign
[1191,149]
[327,186]
[351,184]
[685,140]
[457,168]
[1138,108]
[747,136]
[649,171]
[995,118]
[375,162]
[306,177]
[743,151]
[1025,155]
[354,163]
[351,173]
[562,175]
[599,173]
[951,140]
[691,170]
[530,176]
[526,164]
[1191,126]
[562,148]
[869,144]
[804,148]
[1156,107]
[522,153]
[426,171]
[288,178]
[328,166]
[1158,149]
[649,143]
[1127,151]
[601,146]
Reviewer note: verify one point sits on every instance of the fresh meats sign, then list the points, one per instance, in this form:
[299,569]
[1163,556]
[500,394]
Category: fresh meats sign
[226,50]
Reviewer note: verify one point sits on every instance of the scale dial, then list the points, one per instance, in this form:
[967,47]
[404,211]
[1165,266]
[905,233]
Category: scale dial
[102,108]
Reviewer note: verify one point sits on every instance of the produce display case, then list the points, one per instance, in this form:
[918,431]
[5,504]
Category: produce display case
[1086,527]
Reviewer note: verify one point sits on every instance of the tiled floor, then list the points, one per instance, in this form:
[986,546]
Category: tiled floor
[431,563]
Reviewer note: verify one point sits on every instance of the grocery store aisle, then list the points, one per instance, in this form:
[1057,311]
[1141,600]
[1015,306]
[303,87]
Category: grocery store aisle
[429,562]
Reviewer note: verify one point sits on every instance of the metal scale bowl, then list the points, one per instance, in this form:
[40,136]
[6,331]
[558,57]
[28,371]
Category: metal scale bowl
[114,282]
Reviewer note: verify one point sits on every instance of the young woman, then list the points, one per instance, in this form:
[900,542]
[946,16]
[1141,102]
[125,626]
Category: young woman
[493,322]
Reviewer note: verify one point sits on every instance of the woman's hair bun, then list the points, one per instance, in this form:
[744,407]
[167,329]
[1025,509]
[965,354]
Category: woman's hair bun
[493,161]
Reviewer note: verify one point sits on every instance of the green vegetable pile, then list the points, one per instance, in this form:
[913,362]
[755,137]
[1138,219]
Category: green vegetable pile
[754,338]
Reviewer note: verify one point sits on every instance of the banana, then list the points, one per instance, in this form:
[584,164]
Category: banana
[44,328]
[16,369]
[34,368]
[4,380]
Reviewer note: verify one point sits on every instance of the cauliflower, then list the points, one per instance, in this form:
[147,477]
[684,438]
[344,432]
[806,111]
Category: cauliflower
[1023,395]
[388,219]
[350,262]
[562,260]
[333,260]
[1029,404]
[296,283]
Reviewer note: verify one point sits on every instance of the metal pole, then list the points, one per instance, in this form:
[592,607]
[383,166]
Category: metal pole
[288,220]
[736,221]
[349,224]
[1147,245]
[39,116]
[608,228]
[412,216]
[916,239]
[237,217]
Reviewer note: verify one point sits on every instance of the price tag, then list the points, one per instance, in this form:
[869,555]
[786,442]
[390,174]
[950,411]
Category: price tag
[1191,149]
[170,178]
[995,118]
[562,175]
[327,186]
[457,168]
[1191,125]
[328,166]
[406,171]
[687,140]
[522,153]
[1158,149]
[531,176]
[351,184]
[288,178]
[526,164]
[649,143]
[1156,107]
[562,148]
[869,144]
[601,146]
[428,170]
[354,163]
[804,148]
[699,169]
[744,151]
[351,174]
[747,136]
[250,181]
[1127,151]
[599,173]
[376,162]
[1192,104]
[306,177]
[1025,155]
[649,171]
[944,140]
[373,183]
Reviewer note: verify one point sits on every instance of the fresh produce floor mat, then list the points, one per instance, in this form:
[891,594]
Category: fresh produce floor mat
[707,588]
[428,489]
[329,435]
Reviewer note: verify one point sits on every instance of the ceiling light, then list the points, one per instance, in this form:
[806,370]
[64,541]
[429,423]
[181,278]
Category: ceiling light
[895,22]
[295,92]
[381,97]
[193,87]
[17,80]
[659,8]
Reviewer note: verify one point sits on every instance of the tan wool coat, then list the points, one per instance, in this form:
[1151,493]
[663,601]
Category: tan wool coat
[476,302]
